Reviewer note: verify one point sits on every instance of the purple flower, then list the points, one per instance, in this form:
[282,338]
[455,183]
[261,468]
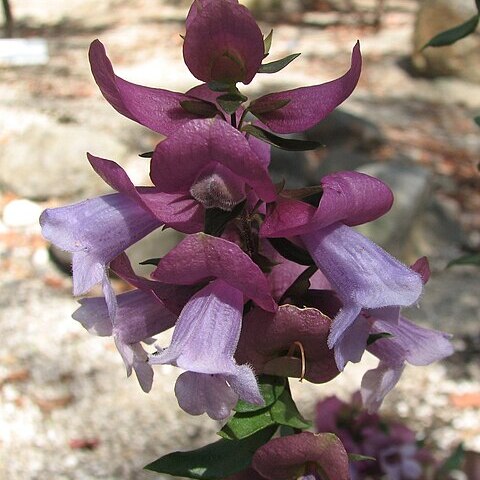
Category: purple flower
[140,314]
[222,42]
[203,344]
[207,332]
[408,343]
[217,165]
[293,343]
[305,456]
[362,275]
[95,231]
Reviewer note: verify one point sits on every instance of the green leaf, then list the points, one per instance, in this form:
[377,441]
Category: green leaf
[200,108]
[146,155]
[243,425]
[215,461]
[267,43]
[217,219]
[357,457]
[292,252]
[271,388]
[477,120]
[456,33]
[469,259]
[286,431]
[285,412]
[277,65]
[230,102]
[372,338]
[151,261]
[453,462]
[280,142]
[221,87]
[267,107]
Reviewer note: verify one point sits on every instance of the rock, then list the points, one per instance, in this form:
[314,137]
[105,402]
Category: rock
[41,158]
[410,186]
[21,213]
[461,59]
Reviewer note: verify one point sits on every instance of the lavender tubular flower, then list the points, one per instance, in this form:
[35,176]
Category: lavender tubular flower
[203,343]
[139,316]
[362,274]
[409,343]
[96,231]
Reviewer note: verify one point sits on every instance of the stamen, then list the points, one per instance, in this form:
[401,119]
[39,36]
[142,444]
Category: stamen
[290,353]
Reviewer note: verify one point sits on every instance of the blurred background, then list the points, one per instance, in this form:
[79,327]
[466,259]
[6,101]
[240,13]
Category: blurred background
[66,409]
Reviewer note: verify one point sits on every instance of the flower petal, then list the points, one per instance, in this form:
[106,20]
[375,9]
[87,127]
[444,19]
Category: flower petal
[411,343]
[200,142]
[200,257]
[377,383]
[309,105]
[154,108]
[352,343]
[362,274]
[199,393]
[222,42]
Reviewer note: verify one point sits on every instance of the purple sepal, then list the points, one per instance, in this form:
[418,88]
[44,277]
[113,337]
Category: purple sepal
[175,210]
[202,144]
[201,257]
[154,108]
[309,105]
[266,339]
[203,343]
[302,454]
[349,197]
[363,275]
[222,42]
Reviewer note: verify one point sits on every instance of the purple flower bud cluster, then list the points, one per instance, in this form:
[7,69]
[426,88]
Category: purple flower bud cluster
[265,281]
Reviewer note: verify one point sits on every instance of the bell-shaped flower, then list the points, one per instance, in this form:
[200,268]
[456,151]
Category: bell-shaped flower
[304,456]
[203,343]
[222,42]
[140,315]
[95,231]
[362,274]
[304,107]
[292,343]
[407,342]
[353,342]
[217,162]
